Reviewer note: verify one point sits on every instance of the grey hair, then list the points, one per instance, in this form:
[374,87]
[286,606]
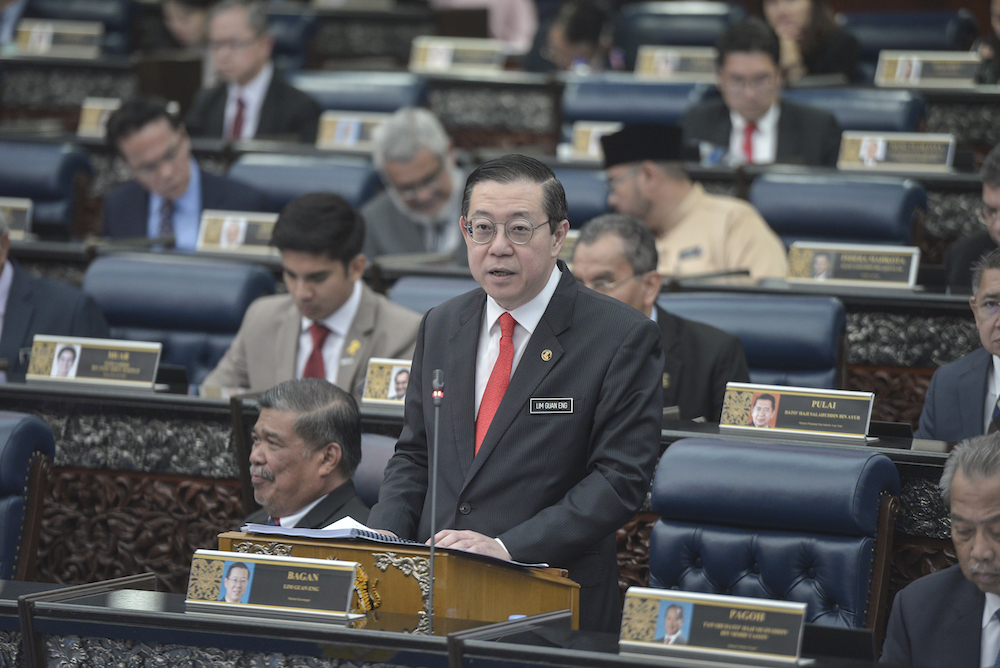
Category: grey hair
[976,457]
[989,260]
[256,13]
[5,222]
[638,243]
[327,414]
[407,131]
[990,171]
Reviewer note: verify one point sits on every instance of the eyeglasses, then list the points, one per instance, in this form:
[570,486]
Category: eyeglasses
[987,215]
[518,230]
[756,83]
[409,190]
[601,285]
[232,44]
[152,167]
[988,308]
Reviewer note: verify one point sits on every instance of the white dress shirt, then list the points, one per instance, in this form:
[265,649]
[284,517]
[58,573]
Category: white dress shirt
[764,140]
[992,392]
[990,644]
[338,322]
[6,280]
[253,95]
[296,517]
[527,317]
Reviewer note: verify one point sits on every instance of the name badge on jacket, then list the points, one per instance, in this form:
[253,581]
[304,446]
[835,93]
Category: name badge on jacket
[539,406]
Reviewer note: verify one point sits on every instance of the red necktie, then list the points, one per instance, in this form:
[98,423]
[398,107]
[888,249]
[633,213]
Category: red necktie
[499,378]
[236,131]
[748,141]
[314,365]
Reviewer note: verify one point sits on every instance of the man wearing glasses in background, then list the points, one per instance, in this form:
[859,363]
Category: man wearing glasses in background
[416,212]
[963,253]
[168,191]
[616,255]
[751,124]
[961,401]
[253,101]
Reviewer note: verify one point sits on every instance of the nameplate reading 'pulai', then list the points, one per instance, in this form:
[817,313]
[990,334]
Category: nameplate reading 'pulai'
[681,64]
[853,264]
[241,232]
[667,622]
[348,130]
[927,69]
[17,212]
[459,55]
[290,588]
[59,39]
[896,151]
[104,362]
[386,381]
[796,410]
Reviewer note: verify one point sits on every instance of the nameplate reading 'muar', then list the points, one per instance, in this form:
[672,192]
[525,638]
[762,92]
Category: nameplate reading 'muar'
[104,362]
[798,410]
[853,264]
[245,232]
[897,151]
[927,69]
[682,64]
[456,54]
[292,588]
[668,622]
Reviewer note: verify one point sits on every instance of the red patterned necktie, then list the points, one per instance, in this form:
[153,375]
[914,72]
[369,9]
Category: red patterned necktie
[314,365]
[499,379]
[236,131]
[748,141]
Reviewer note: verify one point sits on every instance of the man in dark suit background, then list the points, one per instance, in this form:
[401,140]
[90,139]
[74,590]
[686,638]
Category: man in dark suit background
[939,621]
[751,123]
[616,255]
[30,305]
[169,190]
[253,101]
[964,252]
[306,447]
[547,467]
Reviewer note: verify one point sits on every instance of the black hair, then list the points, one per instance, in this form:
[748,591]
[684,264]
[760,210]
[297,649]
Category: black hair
[320,223]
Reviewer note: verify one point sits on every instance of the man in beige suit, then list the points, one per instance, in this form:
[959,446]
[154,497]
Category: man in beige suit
[330,323]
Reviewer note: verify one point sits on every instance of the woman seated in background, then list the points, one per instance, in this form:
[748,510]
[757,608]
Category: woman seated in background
[811,42]
[988,48]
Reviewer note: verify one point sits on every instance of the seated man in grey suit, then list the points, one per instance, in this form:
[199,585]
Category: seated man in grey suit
[947,619]
[416,212]
[306,447]
[751,123]
[253,101]
[961,400]
[616,256]
[168,191]
[330,323]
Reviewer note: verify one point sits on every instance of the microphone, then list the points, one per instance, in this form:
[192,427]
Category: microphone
[437,384]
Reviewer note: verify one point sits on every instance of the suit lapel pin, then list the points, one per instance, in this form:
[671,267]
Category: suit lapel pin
[546,355]
[353,348]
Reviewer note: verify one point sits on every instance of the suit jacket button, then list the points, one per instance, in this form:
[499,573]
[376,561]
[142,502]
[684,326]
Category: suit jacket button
[465,509]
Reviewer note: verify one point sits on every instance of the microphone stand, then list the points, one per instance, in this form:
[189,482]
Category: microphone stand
[438,394]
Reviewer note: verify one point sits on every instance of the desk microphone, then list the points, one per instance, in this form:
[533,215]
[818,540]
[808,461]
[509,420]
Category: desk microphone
[438,394]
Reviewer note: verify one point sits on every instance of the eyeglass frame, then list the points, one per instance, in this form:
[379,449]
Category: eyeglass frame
[153,167]
[755,84]
[410,189]
[468,229]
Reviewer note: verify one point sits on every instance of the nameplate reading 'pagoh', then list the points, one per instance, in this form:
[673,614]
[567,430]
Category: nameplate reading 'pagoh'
[456,54]
[350,130]
[17,213]
[853,264]
[796,410]
[241,232]
[386,380]
[927,69]
[290,588]
[681,64]
[896,151]
[59,39]
[668,622]
[102,362]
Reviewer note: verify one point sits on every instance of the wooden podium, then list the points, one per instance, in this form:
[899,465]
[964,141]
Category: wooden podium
[395,578]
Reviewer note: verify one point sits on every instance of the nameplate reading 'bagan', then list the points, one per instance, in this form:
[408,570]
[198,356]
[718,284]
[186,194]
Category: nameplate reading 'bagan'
[350,130]
[386,380]
[668,622]
[896,151]
[291,588]
[17,212]
[456,54]
[682,64]
[104,362]
[59,39]
[853,264]
[241,232]
[927,69]
[796,410]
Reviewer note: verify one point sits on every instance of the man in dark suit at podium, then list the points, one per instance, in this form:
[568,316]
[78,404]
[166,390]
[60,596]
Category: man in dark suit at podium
[551,413]
[306,447]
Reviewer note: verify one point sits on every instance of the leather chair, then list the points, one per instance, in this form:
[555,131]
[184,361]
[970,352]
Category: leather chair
[865,109]
[674,24]
[810,524]
[376,450]
[26,452]
[284,177]
[586,193]
[192,306]
[614,96]
[362,91]
[293,29]
[788,339]
[54,177]
[422,293]
[116,15]
[862,209]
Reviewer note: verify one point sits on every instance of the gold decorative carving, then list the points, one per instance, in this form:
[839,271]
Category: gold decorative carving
[737,407]
[42,354]
[800,262]
[419,569]
[368,596]
[639,618]
[377,384]
[206,576]
[276,549]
